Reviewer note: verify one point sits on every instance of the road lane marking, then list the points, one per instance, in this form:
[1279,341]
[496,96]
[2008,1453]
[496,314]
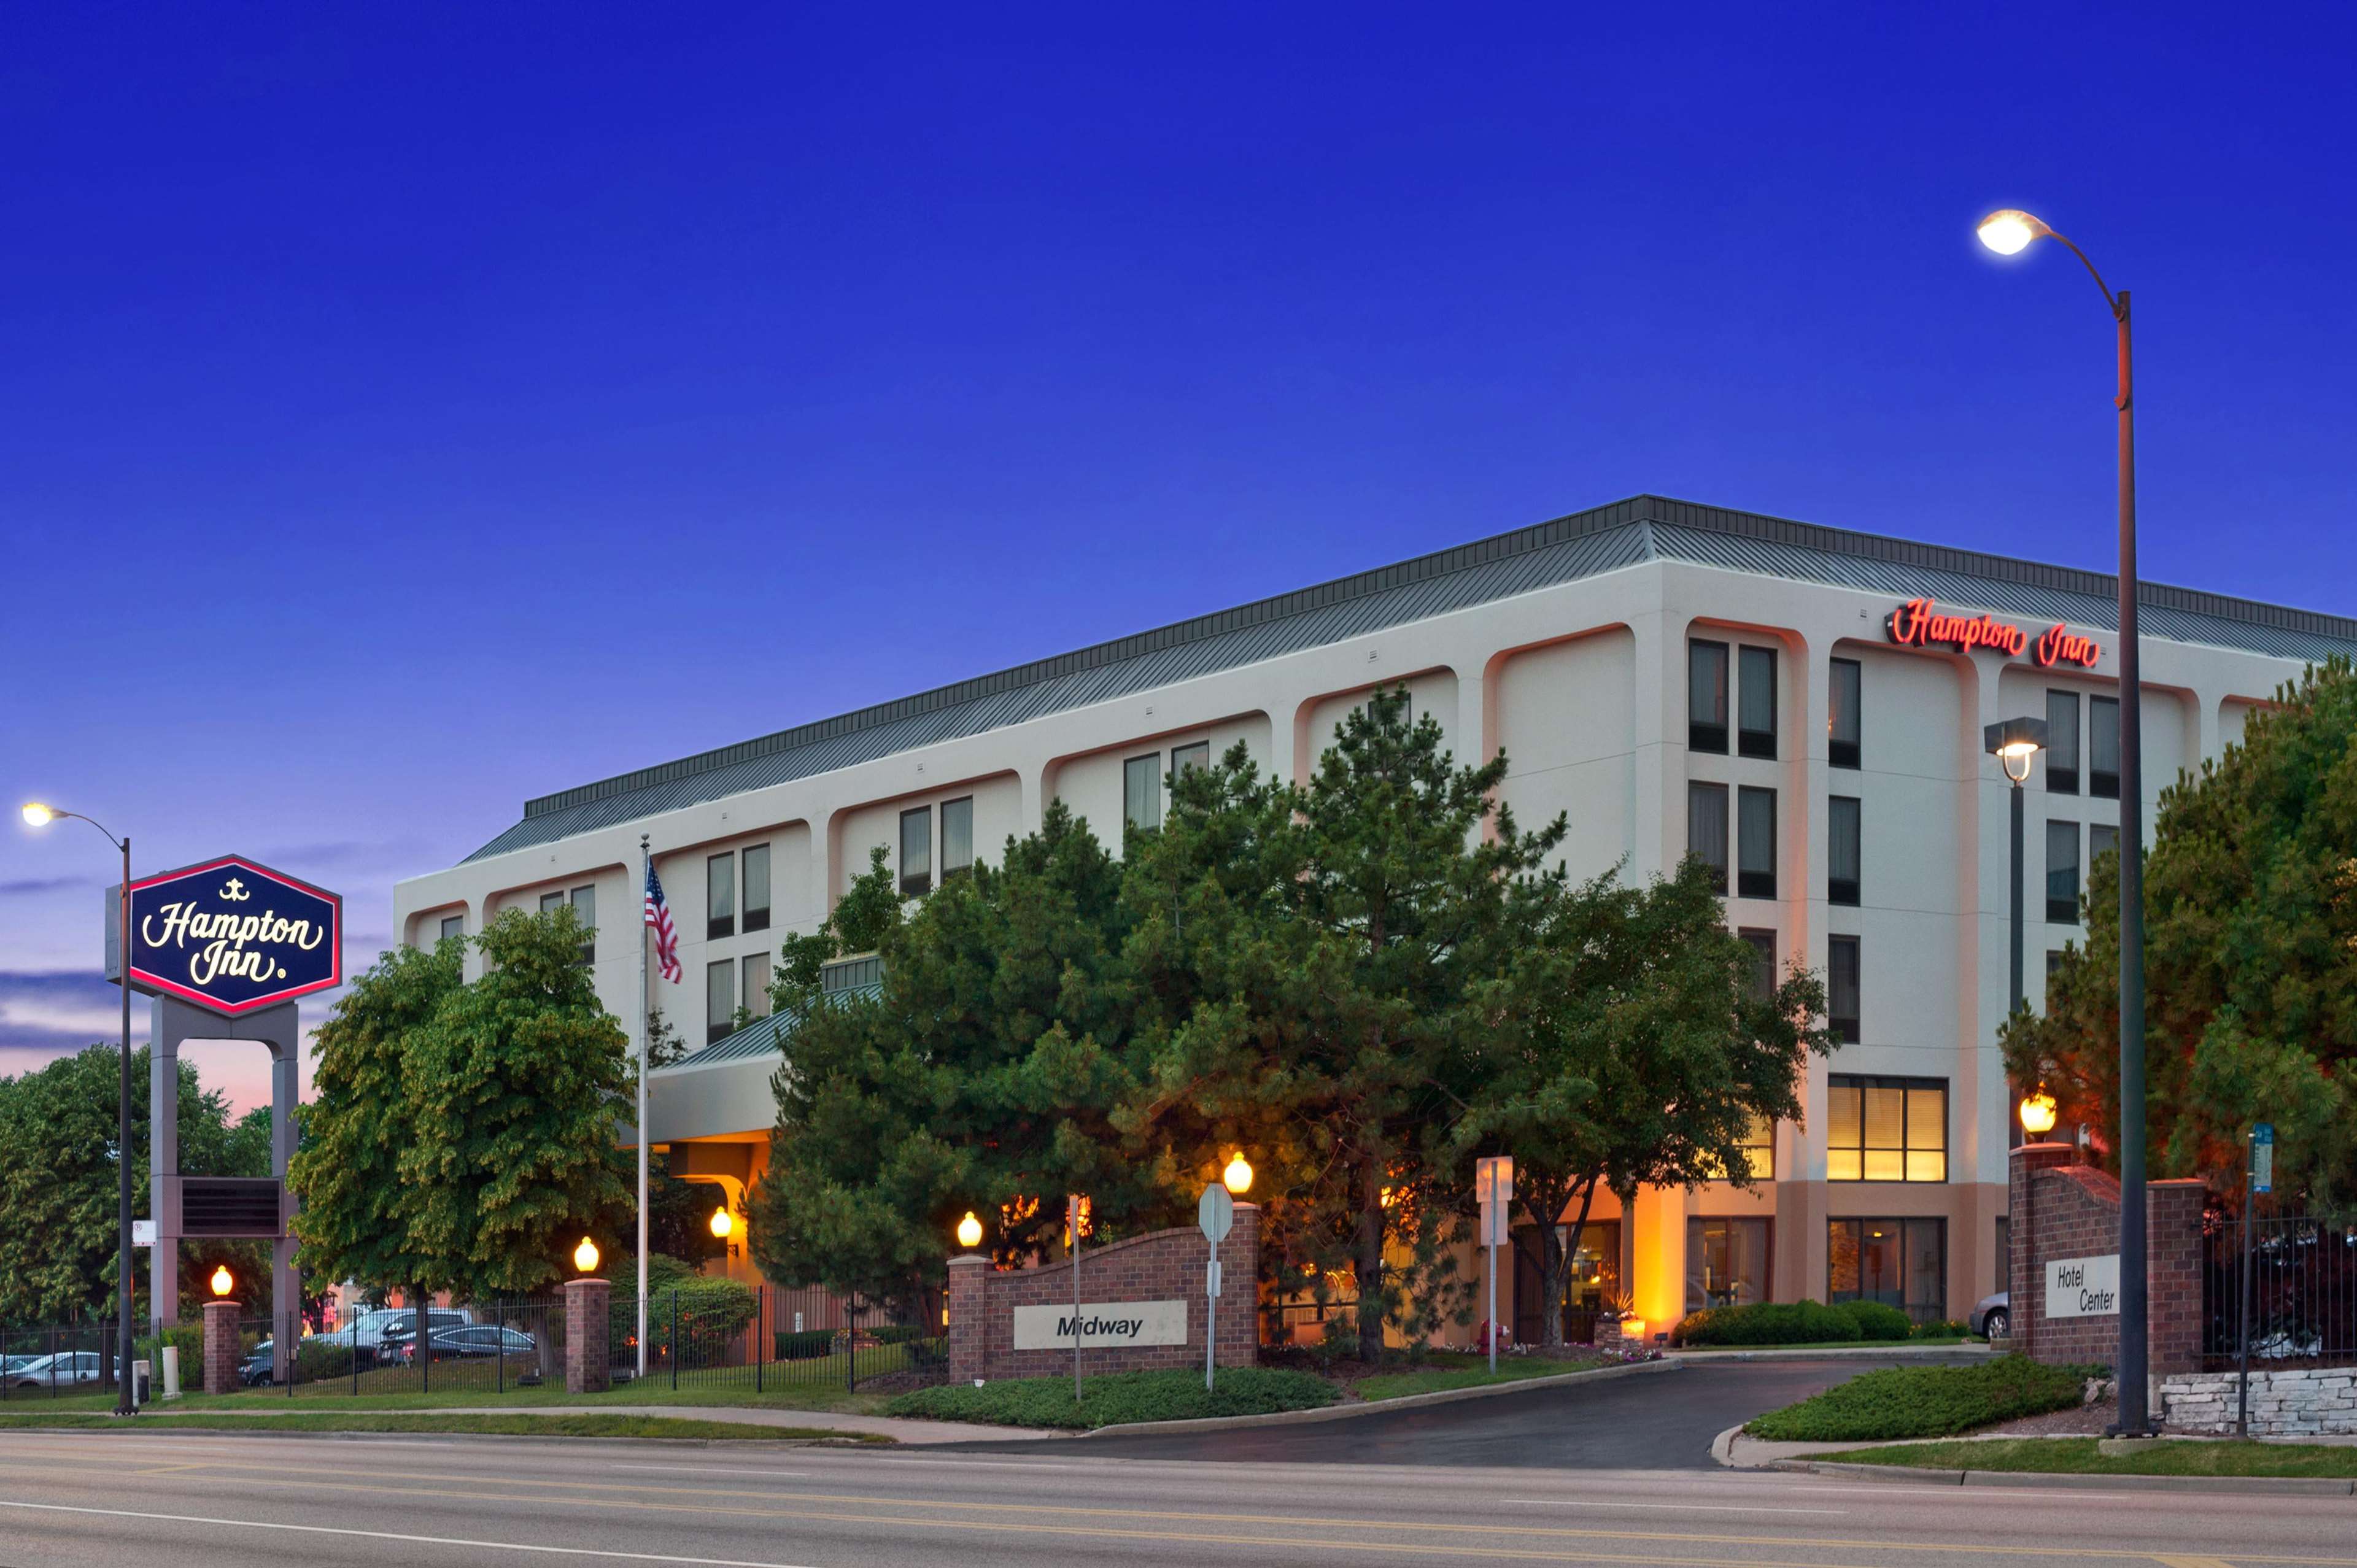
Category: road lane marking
[1679,1508]
[1837,1543]
[707,1469]
[392,1535]
[2191,1562]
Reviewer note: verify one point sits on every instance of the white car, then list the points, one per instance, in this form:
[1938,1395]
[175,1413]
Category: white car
[67,1369]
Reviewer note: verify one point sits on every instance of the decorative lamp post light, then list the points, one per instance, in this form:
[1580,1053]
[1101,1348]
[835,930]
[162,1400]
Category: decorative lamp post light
[723,1222]
[221,1282]
[2009,231]
[2038,1112]
[585,1256]
[38,815]
[969,1231]
[1237,1178]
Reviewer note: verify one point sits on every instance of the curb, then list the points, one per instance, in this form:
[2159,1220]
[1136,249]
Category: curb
[263,1431]
[1722,1448]
[1377,1407]
[1769,1353]
[2277,1485]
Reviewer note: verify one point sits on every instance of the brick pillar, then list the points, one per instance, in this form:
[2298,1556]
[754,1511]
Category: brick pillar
[969,1317]
[588,1369]
[1239,1324]
[2026,1280]
[220,1346]
[2173,1250]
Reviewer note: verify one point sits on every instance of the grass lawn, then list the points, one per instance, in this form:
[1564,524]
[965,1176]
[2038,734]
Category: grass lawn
[2077,1457]
[575,1425]
[1924,1401]
[400,1392]
[1117,1398]
[1447,1370]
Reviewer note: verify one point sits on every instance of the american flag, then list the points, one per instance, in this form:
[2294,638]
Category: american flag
[666,934]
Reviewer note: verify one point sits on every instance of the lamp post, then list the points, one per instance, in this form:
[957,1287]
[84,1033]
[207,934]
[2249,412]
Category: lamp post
[2016,743]
[2009,232]
[38,815]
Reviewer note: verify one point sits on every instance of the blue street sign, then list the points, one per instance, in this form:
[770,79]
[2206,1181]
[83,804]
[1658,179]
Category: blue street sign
[2263,1157]
[234,936]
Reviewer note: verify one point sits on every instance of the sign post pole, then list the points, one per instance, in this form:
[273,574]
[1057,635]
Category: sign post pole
[1493,1183]
[1215,1212]
[1072,1213]
[2261,1177]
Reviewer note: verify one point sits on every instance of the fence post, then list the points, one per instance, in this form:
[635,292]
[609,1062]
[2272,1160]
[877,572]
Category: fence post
[352,1331]
[675,1338]
[499,1322]
[760,1332]
[2243,1407]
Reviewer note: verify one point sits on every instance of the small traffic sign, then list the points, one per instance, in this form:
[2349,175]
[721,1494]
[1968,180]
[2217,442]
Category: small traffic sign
[1215,1212]
[2263,1157]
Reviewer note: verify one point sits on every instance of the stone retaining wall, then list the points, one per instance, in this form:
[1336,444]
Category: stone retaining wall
[2308,1401]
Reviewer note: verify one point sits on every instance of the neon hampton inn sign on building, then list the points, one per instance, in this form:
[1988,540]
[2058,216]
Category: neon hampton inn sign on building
[1921,623]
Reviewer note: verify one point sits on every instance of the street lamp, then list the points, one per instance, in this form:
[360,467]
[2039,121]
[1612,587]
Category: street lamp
[969,1231]
[38,815]
[2016,743]
[2038,1112]
[221,1282]
[2008,231]
[585,1256]
[1237,1178]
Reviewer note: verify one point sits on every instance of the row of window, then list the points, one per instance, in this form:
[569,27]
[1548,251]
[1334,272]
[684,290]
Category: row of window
[720,992]
[721,903]
[1755,706]
[1841,977]
[1141,781]
[584,909]
[2061,756]
[1755,839]
[917,844]
[1899,1262]
[2062,865]
[1878,1128]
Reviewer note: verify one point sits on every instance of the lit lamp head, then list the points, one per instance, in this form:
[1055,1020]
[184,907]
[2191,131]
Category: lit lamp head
[2008,231]
[585,1256]
[723,1222]
[969,1231]
[221,1282]
[2015,743]
[2038,1112]
[1237,1178]
[38,815]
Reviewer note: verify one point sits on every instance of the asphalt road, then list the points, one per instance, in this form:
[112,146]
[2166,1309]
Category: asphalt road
[1661,1420]
[204,1500]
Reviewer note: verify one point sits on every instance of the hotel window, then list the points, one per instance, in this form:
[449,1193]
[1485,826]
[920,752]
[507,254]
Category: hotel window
[1707,830]
[1183,758]
[1755,712]
[1759,1149]
[1706,696]
[757,984]
[719,999]
[757,887]
[584,909]
[1764,961]
[916,852]
[2104,747]
[1726,1262]
[552,901]
[1141,790]
[720,897]
[453,926]
[2102,837]
[1842,988]
[1842,849]
[957,836]
[2062,759]
[1887,1129]
[2062,873]
[1841,714]
[1755,843]
[1899,1263]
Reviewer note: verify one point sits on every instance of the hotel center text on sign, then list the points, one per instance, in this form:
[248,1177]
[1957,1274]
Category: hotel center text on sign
[1100,1323]
[2082,1287]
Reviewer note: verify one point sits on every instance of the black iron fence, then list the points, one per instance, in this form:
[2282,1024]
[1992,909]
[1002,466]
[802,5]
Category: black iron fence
[2302,1291]
[57,1360]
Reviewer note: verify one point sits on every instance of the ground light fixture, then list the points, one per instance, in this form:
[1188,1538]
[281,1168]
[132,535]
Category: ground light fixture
[585,1256]
[39,815]
[969,1231]
[723,1222]
[1237,1178]
[221,1282]
[2038,1112]
[2009,231]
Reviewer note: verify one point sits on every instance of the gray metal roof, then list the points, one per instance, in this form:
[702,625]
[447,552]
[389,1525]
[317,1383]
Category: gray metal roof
[1584,545]
[766,1036]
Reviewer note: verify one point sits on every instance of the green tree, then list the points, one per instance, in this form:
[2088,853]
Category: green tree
[1331,938]
[982,1077]
[2251,962]
[517,1087]
[1629,1047]
[358,1208]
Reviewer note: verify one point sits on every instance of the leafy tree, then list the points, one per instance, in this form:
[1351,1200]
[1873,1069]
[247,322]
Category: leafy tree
[1334,934]
[2251,962]
[1628,1047]
[516,1089]
[982,1077]
[358,1206]
[664,1045]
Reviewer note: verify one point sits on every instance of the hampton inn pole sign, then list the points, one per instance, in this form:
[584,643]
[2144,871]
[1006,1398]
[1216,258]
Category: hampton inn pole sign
[233,935]
[1921,623]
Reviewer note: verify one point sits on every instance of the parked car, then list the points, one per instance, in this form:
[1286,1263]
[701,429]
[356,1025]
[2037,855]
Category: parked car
[256,1369]
[475,1340]
[65,1369]
[367,1331]
[1992,1316]
[397,1342]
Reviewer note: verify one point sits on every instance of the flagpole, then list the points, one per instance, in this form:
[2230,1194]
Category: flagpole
[646,873]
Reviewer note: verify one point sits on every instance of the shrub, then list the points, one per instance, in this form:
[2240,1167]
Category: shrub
[1767,1323]
[1118,1397]
[708,1314]
[1876,1321]
[314,1361]
[810,1345]
[1925,1402]
[1945,1328]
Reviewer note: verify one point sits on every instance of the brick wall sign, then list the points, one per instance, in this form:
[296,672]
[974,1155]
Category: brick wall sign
[1100,1323]
[2082,1287]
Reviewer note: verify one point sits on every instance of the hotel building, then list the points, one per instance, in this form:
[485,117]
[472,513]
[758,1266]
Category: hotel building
[1801,706]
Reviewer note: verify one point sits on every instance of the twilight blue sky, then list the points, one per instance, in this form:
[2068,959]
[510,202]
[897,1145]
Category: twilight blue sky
[411,408]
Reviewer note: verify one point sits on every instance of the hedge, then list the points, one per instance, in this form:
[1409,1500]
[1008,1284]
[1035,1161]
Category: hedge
[1118,1397]
[1876,1321]
[1769,1322]
[1926,1402]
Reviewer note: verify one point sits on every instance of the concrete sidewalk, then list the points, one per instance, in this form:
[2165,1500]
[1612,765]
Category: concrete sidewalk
[915,1432]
